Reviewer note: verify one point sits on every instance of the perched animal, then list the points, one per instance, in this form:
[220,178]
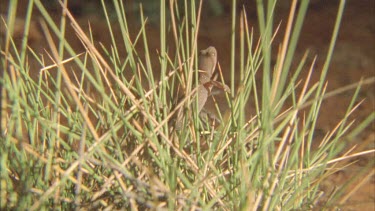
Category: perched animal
[206,66]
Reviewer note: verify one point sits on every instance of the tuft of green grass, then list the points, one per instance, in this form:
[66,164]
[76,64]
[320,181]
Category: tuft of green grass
[91,128]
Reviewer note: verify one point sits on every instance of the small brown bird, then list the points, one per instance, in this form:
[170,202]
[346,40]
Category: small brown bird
[206,66]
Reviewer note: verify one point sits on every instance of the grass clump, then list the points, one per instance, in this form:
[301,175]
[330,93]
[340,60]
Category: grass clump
[92,128]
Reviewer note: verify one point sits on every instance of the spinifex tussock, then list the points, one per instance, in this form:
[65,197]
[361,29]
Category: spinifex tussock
[91,126]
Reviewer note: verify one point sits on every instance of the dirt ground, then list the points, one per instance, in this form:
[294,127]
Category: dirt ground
[354,58]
